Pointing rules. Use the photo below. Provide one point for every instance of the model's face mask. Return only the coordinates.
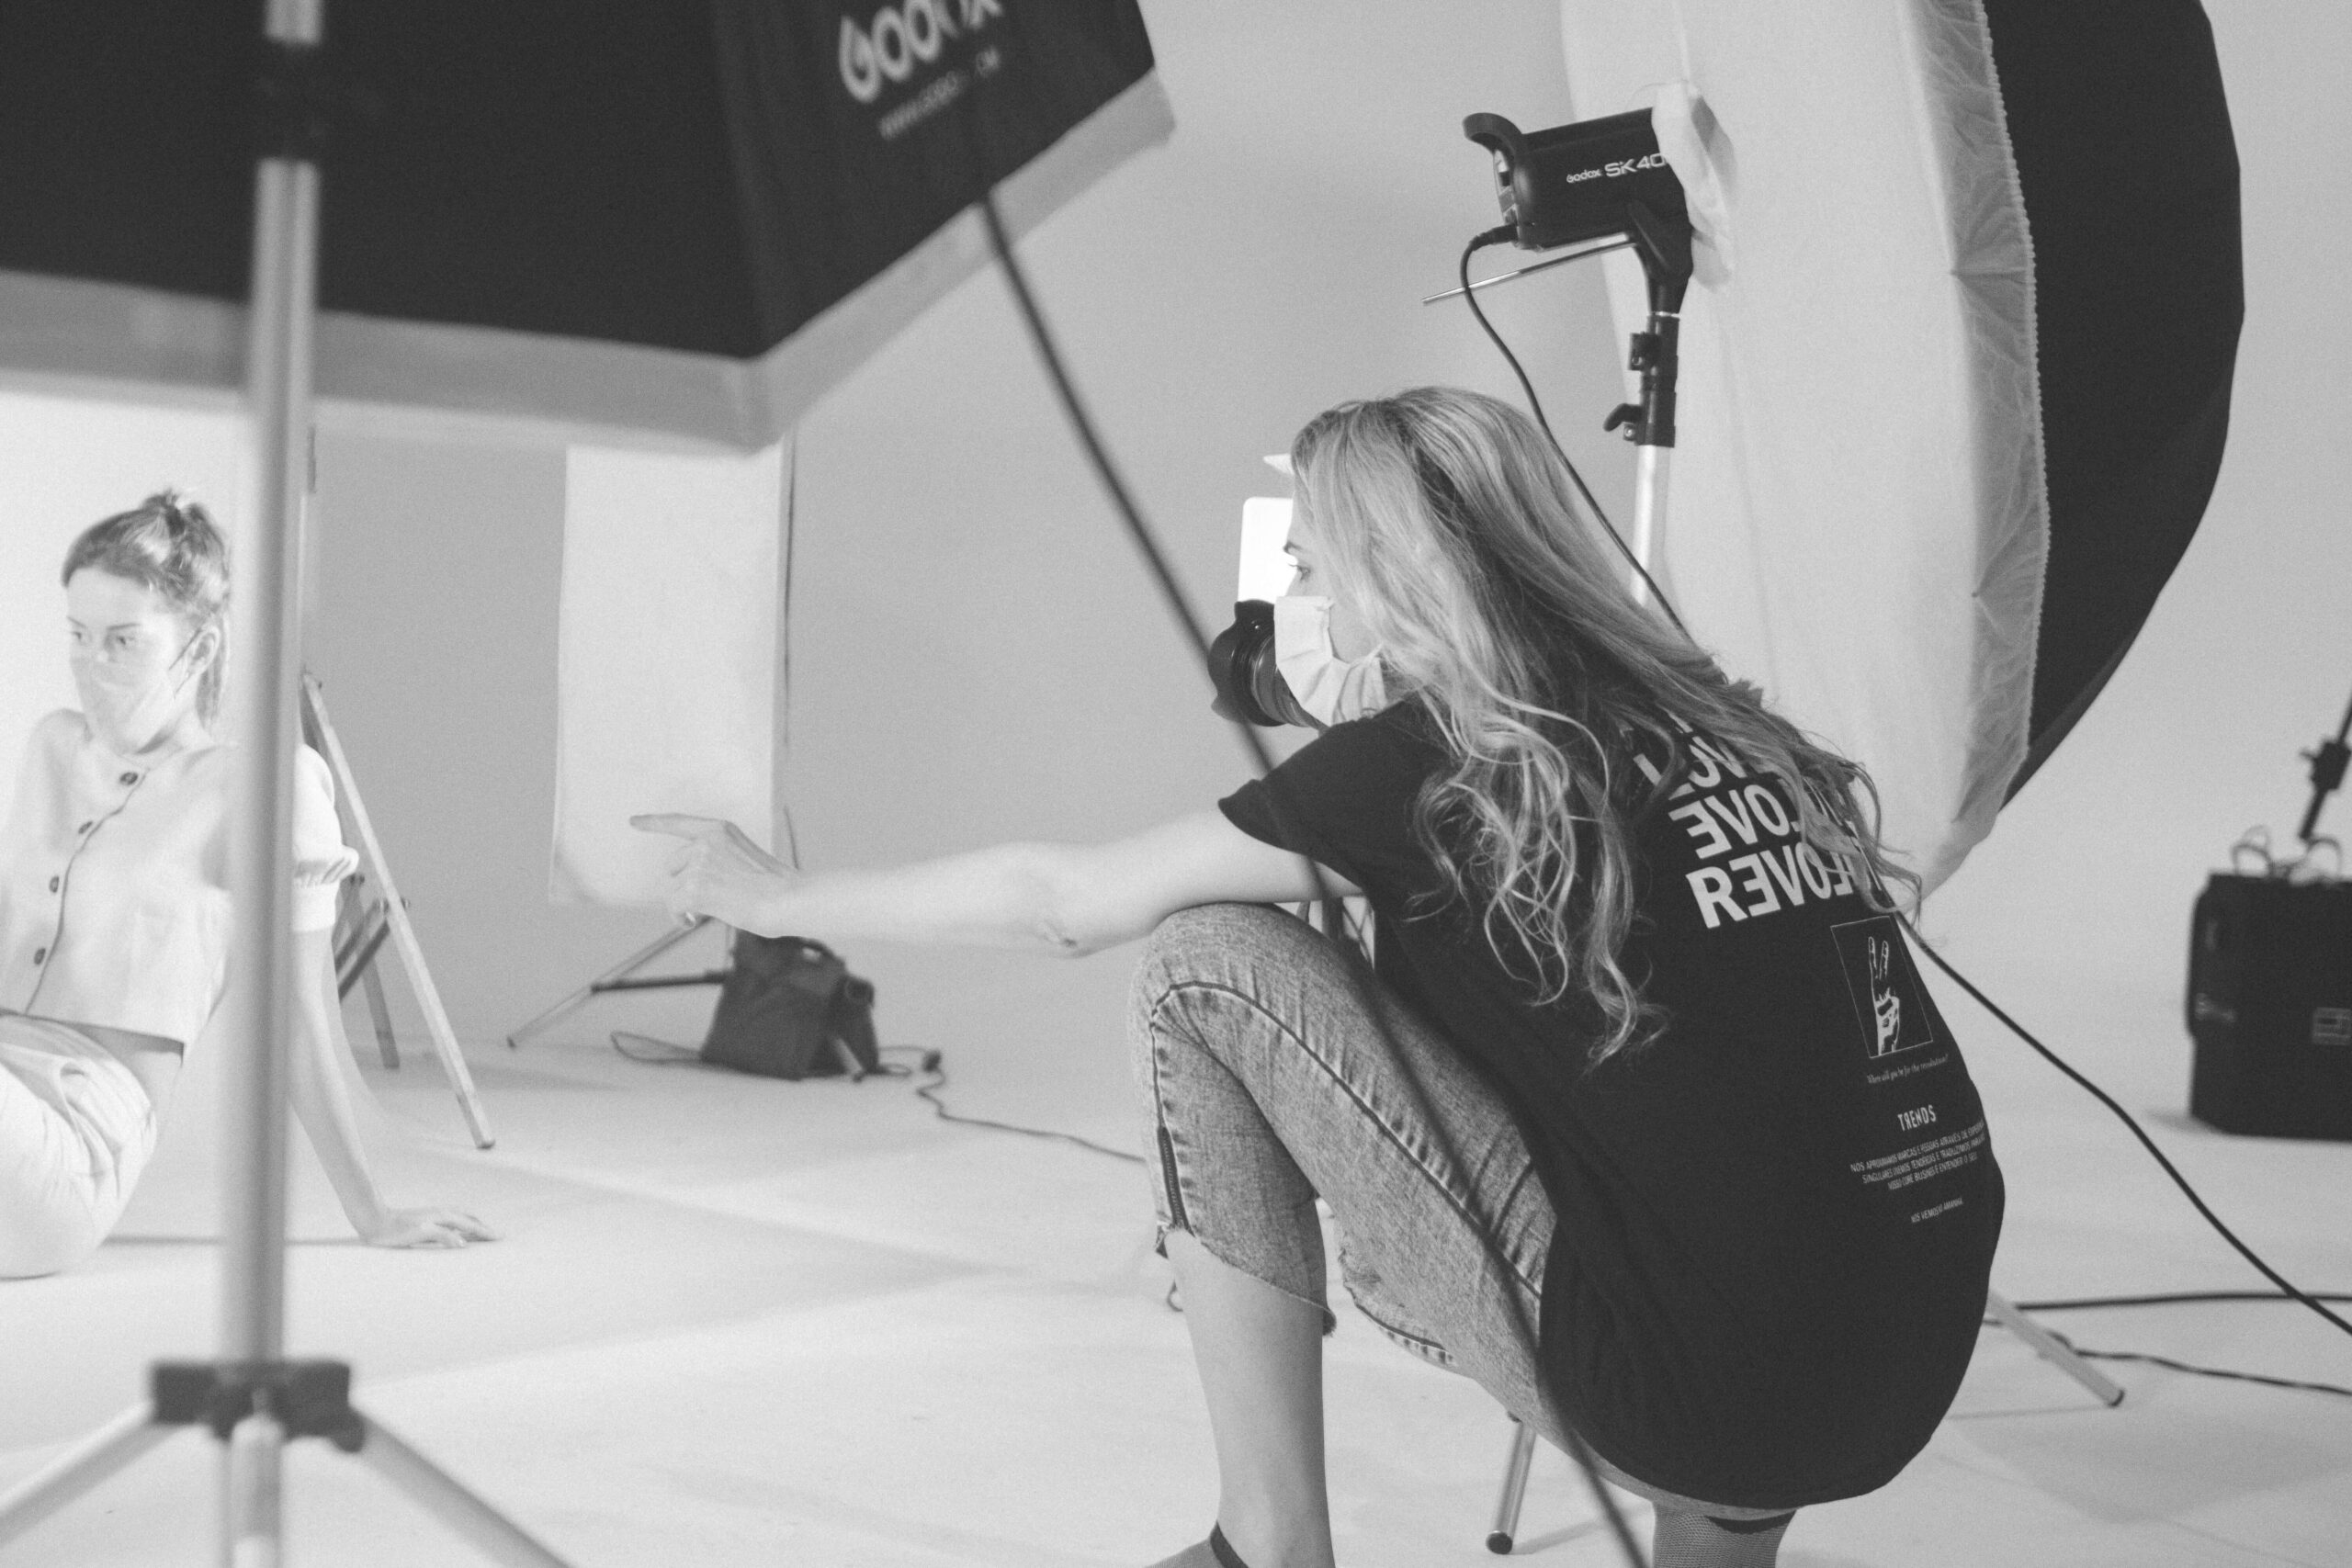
(131, 702)
(1333, 690)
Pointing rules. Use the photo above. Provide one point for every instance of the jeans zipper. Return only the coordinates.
(1168, 1176)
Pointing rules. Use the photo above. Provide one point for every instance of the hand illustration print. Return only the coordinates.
(1888, 1006)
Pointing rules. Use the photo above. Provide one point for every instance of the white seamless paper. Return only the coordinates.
(666, 659)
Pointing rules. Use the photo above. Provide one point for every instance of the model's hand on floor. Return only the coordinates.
(717, 871)
(426, 1227)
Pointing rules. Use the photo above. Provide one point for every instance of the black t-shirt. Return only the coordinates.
(1775, 1221)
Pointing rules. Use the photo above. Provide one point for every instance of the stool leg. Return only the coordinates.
(1514, 1492)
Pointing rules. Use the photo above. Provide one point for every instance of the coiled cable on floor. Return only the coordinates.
(932, 1064)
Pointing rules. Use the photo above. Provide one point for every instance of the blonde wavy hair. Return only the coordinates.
(1448, 521)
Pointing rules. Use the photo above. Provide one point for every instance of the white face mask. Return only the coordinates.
(1333, 689)
(130, 710)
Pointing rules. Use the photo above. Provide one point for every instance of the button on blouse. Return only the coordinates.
(139, 938)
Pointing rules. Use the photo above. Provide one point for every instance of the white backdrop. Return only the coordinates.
(665, 660)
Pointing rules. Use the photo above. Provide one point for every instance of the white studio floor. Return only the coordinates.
(735, 1322)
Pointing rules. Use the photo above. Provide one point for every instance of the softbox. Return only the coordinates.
(623, 220)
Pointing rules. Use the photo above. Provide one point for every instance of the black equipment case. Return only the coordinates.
(2270, 1007)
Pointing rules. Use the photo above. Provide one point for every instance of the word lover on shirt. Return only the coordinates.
(1753, 862)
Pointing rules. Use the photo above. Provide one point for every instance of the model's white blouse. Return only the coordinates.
(114, 880)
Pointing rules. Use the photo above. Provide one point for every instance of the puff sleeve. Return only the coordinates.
(322, 860)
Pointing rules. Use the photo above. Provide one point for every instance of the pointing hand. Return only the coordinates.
(717, 871)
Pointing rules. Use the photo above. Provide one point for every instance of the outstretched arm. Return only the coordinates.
(1065, 898)
(317, 1085)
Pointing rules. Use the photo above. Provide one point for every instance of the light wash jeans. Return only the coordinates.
(77, 1128)
(1268, 1081)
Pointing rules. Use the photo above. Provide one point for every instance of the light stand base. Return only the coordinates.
(1522, 1443)
(2104, 1388)
(254, 1409)
(616, 978)
(1514, 1492)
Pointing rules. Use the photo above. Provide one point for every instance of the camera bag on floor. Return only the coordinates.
(790, 1009)
(2270, 1007)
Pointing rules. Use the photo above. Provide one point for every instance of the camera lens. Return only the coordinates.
(1249, 686)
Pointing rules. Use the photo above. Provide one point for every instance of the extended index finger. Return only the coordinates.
(677, 824)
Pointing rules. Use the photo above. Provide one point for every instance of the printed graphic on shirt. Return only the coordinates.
(1924, 1162)
(1885, 988)
(1753, 861)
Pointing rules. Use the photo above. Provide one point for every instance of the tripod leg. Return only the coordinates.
(438, 1034)
(381, 1014)
(1514, 1492)
(79, 1468)
(2105, 1389)
(628, 965)
(441, 1494)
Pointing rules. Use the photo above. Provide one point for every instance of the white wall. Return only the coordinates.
(978, 653)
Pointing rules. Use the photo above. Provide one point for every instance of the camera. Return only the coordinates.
(1249, 686)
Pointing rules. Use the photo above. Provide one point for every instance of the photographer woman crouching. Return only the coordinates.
(114, 906)
(1645, 1122)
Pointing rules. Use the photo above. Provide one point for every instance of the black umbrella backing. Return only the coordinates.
(2129, 171)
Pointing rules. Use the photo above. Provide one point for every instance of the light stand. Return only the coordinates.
(2327, 774)
(1664, 245)
(252, 1399)
(624, 976)
(1606, 180)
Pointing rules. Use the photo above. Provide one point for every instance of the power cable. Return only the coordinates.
(2224, 1373)
(2252, 1256)
(1535, 406)
(2168, 1298)
(931, 1064)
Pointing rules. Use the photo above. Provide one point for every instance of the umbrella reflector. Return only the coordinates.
(1956, 363)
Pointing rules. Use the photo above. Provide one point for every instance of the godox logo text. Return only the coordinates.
(1617, 168)
(902, 37)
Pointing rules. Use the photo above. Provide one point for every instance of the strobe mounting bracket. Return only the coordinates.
(1593, 180)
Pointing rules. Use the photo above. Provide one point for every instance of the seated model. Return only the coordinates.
(114, 906)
